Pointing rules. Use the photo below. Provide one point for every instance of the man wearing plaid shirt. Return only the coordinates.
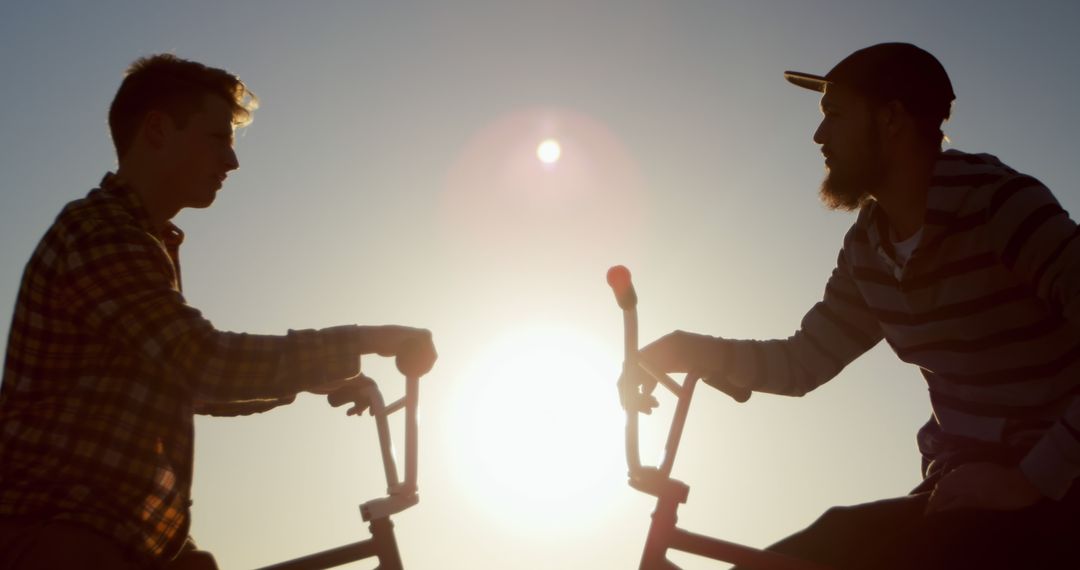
(106, 362)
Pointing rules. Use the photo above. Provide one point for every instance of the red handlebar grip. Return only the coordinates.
(618, 278)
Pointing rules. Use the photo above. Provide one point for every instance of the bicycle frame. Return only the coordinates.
(656, 481)
(400, 494)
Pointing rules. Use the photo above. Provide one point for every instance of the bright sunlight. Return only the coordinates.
(549, 151)
(540, 436)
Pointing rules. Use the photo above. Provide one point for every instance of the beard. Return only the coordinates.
(847, 185)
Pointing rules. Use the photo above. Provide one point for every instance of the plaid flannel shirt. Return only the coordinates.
(106, 366)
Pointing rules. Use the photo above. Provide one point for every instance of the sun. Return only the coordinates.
(540, 434)
(549, 151)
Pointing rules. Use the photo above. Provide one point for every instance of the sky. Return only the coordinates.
(391, 176)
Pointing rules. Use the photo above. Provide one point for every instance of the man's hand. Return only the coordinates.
(352, 390)
(416, 356)
(413, 348)
(389, 340)
(983, 486)
(635, 390)
(682, 351)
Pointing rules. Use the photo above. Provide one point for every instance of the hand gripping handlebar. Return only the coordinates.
(636, 374)
(663, 534)
(413, 360)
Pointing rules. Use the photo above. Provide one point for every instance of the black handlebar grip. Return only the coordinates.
(618, 277)
(415, 358)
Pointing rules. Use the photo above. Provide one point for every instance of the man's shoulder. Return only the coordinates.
(97, 212)
(969, 182)
(956, 168)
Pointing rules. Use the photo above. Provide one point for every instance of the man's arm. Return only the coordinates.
(119, 283)
(241, 407)
(1035, 238)
(832, 334)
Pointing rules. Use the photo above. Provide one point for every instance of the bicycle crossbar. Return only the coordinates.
(738, 554)
(397, 405)
(329, 558)
(381, 545)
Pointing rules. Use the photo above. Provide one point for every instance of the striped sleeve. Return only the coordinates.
(120, 283)
(836, 331)
(1035, 238)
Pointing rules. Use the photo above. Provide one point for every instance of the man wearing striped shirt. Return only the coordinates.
(106, 362)
(970, 271)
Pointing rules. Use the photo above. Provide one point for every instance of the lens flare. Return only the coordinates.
(549, 151)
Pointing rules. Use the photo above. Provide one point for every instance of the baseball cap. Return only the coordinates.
(890, 71)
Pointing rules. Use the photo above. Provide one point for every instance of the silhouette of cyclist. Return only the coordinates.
(107, 363)
(970, 271)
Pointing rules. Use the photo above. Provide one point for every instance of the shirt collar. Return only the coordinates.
(115, 185)
(944, 198)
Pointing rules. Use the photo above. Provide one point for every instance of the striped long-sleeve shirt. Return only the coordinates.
(106, 365)
(988, 308)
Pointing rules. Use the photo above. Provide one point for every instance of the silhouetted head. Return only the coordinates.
(881, 102)
(172, 124)
(175, 86)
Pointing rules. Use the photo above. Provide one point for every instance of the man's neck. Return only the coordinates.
(151, 193)
(903, 196)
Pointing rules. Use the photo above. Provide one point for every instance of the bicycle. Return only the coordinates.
(663, 533)
(400, 495)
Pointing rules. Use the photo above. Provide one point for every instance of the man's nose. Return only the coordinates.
(231, 162)
(819, 134)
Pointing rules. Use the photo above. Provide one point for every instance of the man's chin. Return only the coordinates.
(840, 194)
(205, 202)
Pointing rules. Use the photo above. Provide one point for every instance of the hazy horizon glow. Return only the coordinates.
(539, 439)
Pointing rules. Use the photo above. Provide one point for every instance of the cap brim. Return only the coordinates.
(807, 81)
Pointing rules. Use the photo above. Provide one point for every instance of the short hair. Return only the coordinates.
(174, 86)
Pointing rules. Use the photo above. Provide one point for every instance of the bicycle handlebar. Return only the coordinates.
(657, 481)
(618, 278)
(634, 401)
(413, 360)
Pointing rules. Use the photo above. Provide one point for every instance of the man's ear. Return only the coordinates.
(891, 117)
(156, 127)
